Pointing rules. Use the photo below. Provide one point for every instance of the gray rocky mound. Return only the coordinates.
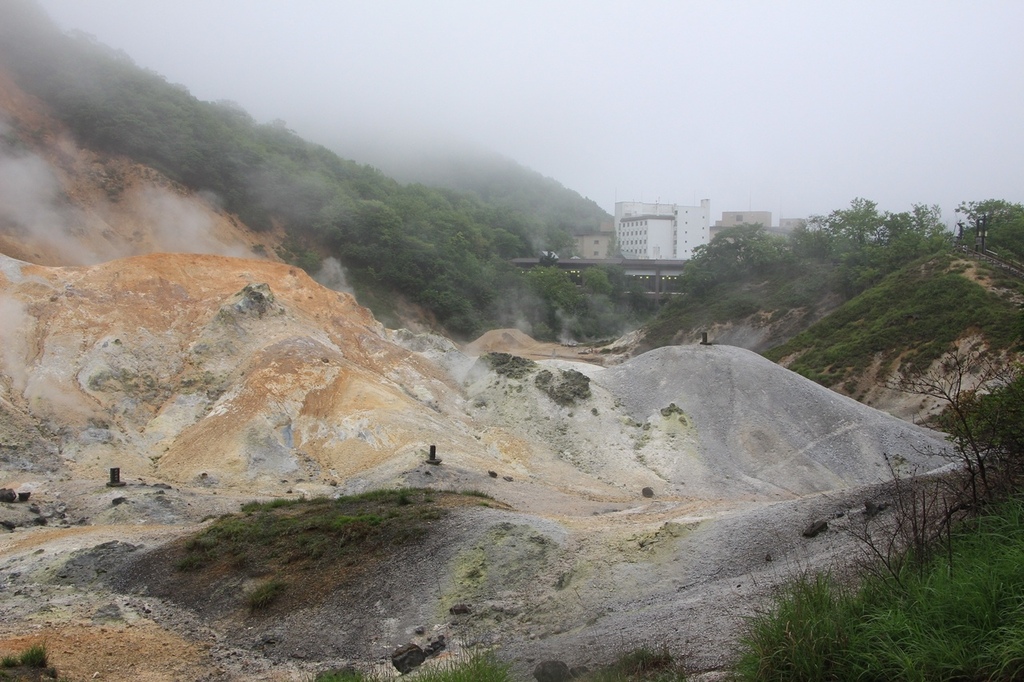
(722, 420)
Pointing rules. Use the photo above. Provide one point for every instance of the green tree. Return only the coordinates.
(1005, 226)
(562, 300)
(595, 281)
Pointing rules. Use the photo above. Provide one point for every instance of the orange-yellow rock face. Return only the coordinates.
(207, 368)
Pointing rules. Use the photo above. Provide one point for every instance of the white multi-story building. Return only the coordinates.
(661, 231)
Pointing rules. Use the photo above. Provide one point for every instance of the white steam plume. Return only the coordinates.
(332, 276)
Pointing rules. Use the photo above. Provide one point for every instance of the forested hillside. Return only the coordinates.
(857, 295)
(444, 251)
(488, 176)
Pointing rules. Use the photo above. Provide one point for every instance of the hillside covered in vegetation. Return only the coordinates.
(856, 291)
(444, 251)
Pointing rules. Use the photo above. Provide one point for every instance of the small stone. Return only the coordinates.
(492, 474)
(647, 492)
(815, 528)
(507, 478)
(459, 610)
(552, 671)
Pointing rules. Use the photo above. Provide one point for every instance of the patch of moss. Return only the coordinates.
(565, 389)
(511, 366)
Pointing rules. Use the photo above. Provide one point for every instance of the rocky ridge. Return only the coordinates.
(641, 498)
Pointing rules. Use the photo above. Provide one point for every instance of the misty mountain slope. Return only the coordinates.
(62, 204)
(441, 254)
(496, 180)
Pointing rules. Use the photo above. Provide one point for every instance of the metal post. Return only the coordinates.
(115, 478)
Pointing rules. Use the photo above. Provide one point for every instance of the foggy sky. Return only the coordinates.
(789, 107)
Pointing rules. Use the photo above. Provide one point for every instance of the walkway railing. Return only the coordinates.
(1011, 267)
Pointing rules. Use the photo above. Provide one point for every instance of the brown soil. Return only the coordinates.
(142, 652)
(519, 343)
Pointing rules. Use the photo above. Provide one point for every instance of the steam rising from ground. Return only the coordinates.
(82, 227)
(31, 206)
(182, 225)
(332, 276)
(13, 323)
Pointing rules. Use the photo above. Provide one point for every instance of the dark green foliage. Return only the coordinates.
(475, 667)
(34, 656)
(344, 676)
(736, 253)
(745, 270)
(648, 665)
(986, 425)
(913, 315)
(1005, 231)
(866, 244)
(576, 305)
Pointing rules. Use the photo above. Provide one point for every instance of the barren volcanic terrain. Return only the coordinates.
(653, 502)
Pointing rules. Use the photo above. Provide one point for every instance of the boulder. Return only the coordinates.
(552, 671)
(407, 657)
(8, 495)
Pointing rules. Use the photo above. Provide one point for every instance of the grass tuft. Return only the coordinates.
(265, 594)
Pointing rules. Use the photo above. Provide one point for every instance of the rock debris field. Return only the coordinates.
(653, 502)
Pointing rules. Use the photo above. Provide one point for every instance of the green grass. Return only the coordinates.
(265, 594)
(354, 676)
(291, 530)
(474, 668)
(640, 665)
(323, 539)
(649, 665)
(959, 619)
(34, 656)
(911, 317)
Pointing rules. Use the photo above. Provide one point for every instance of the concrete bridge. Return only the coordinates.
(653, 274)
